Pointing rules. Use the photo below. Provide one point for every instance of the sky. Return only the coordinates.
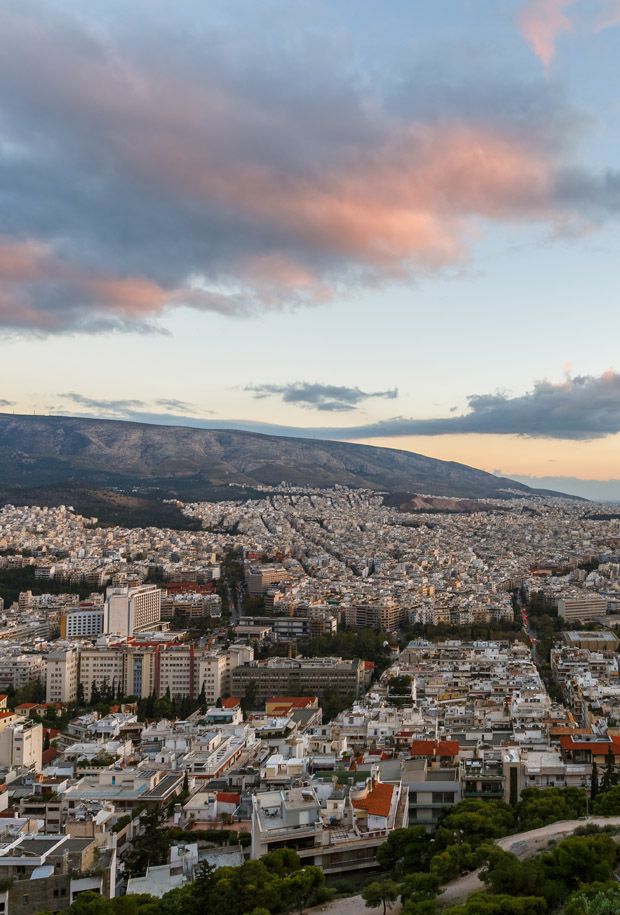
(391, 223)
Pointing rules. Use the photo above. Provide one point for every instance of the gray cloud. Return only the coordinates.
(579, 408)
(92, 403)
(158, 157)
(326, 397)
(583, 407)
(176, 412)
(180, 405)
(7, 403)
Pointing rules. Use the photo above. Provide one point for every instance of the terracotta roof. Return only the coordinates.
(229, 798)
(48, 755)
(231, 703)
(435, 748)
(378, 801)
(598, 747)
(562, 729)
(25, 705)
(368, 665)
(292, 701)
(7, 715)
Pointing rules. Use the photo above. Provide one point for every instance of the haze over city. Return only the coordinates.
(393, 224)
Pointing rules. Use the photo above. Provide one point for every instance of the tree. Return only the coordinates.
(383, 893)
(250, 698)
(405, 851)
(95, 695)
(608, 803)
(604, 902)
(80, 698)
(151, 847)
(609, 776)
(46, 741)
(298, 886)
(594, 781)
(185, 783)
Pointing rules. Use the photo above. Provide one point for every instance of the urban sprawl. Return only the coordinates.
(310, 670)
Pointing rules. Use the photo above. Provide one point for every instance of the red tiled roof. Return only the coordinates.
(26, 705)
(378, 801)
(292, 701)
(435, 748)
(231, 703)
(368, 665)
(48, 755)
(229, 798)
(598, 747)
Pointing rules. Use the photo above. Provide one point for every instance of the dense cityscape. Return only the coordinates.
(311, 670)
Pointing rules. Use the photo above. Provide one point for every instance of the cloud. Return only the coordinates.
(327, 397)
(114, 406)
(7, 403)
(582, 407)
(176, 412)
(579, 408)
(609, 15)
(541, 21)
(239, 164)
(181, 405)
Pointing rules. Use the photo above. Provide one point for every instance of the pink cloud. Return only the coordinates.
(278, 206)
(541, 21)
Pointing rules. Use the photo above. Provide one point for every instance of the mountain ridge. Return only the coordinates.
(121, 454)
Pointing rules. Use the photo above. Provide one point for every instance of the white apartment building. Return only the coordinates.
(181, 670)
(62, 675)
(21, 745)
(19, 669)
(82, 623)
(130, 609)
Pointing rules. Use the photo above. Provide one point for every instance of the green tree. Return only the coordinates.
(594, 787)
(380, 893)
(405, 851)
(80, 698)
(250, 699)
(608, 803)
(540, 807)
(151, 847)
(609, 775)
(603, 902)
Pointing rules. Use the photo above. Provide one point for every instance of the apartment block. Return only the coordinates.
(129, 609)
(62, 675)
(291, 676)
(588, 607)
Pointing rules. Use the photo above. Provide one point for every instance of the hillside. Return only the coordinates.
(158, 461)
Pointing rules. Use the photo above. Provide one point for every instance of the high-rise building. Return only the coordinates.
(128, 609)
(62, 675)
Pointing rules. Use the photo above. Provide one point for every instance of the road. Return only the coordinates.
(523, 844)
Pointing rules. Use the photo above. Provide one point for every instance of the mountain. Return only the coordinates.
(160, 461)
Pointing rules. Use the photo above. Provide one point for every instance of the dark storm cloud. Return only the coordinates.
(155, 156)
(326, 397)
